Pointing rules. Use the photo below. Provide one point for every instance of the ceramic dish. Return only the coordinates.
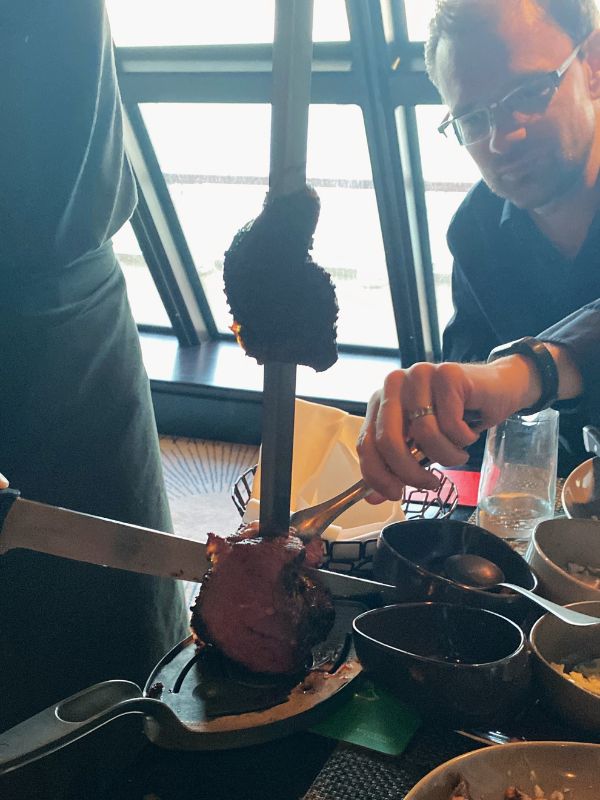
(561, 766)
(460, 665)
(579, 491)
(552, 641)
(560, 546)
(411, 556)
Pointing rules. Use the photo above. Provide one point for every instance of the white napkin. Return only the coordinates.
(325, 463)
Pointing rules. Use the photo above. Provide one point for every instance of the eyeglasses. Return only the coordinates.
(526, 101)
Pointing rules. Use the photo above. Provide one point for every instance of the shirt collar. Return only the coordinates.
(508, 213)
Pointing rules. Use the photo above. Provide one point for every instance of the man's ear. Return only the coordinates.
(591, 51)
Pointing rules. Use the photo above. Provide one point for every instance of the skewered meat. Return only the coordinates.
(258, 604)
(283, 304)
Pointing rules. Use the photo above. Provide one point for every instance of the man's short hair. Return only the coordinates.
(577, 18)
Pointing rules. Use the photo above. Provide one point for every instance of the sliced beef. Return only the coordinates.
(258, 604)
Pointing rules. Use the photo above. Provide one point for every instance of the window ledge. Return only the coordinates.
(220, 377)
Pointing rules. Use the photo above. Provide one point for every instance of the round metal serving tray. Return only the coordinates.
(223, 705)
(198, 700)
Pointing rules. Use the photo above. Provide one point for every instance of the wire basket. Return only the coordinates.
(356, 557)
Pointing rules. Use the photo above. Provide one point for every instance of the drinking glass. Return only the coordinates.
(518, 475)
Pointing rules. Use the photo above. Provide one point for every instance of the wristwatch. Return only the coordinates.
(543, 362)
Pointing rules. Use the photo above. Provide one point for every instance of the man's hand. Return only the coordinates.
(427, 403)
(3, 482)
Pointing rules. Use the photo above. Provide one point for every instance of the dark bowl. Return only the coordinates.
(460, 665)
(411, 556)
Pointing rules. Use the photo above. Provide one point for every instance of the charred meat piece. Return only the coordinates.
(283, 304)
(258, 605)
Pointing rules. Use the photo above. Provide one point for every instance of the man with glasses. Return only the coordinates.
(521, 81)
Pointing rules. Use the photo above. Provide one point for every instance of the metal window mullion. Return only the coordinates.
(418, 185)
(154, 256)
(394, 12)
(173, 269)
(227, 87)
(223, 58)
(370, 55)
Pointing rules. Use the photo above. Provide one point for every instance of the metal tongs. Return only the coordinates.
(311, 522)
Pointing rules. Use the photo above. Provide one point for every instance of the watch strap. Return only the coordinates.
(543, 362)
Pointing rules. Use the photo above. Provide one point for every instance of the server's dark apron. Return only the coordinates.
(77, 430)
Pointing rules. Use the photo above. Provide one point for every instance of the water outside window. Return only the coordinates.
(448, 172)
(418, 14)
(215, 159)
(146, 305)
(194, 22)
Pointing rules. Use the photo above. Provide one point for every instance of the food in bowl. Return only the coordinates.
(560, 552)
(572, 768)
(462, 792)
(586, 674)
(554, 642)
(587, 574)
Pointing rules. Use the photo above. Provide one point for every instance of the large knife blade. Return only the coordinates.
(349, 587)
(96, 540)
(108, 543)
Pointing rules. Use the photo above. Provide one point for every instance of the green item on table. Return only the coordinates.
(372, 718)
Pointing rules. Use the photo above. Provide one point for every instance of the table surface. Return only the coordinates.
(303, 765)
(118, 763)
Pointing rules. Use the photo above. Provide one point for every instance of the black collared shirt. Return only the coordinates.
(509, 281)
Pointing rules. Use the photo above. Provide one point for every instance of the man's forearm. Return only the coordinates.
(521, 378)
(570, 382)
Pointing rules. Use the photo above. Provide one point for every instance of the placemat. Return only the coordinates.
(352, 773)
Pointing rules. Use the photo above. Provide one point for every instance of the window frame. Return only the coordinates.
(380, 71)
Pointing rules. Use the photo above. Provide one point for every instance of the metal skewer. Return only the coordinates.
(292, 63)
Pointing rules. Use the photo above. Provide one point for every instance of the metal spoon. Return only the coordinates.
(473, 570)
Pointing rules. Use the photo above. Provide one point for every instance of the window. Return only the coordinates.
(137, 23)
(146, 305)
(418, 14)
(200, 119)
(215, 160)
(448, 174)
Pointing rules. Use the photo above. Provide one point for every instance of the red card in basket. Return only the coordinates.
(467, 485)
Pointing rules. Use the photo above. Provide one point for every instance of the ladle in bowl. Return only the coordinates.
(473, 570)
